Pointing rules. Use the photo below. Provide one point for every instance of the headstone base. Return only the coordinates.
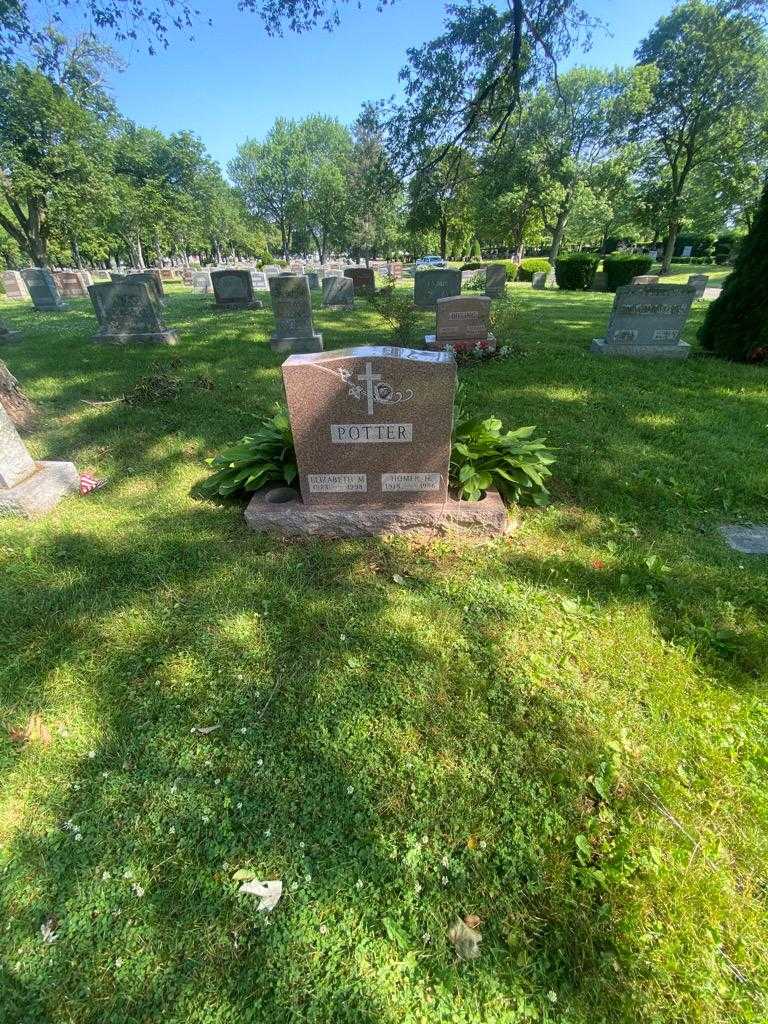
(9, 337)
(42, 491)
(681, 350)
(293, 518)
(52, 307)
(256, 304)
(460, 345)
(312, 343)
(158, 338)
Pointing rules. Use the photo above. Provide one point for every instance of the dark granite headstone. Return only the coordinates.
(431, 285)
(234, 289)
(363, 278)
(495, 280)
(42, 290)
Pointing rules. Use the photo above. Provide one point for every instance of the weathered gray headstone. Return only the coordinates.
(271, 270)
(646, 322)
(338, 291)
(313, 279)
(543, 279)
(201, 282)
(699, 282)
(363, 278)
(495, 280)
(129, 312)
(292, 308)
(431, 285)
(687, 251)
(14, 285)
(153, 279)
(70, 283)
(29, 488)
(234, 289)
(7, 335)
(395, 270)
(462, 324)
(599, 282)
(259, 279)
(42, 290)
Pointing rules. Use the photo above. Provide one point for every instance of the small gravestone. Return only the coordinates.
(70, 283)
(233, 289)
(687, 251)
(271, 270)
(129, 312)
(7, 335)
(543, 279)
(431, 285)
(29, 488)
(495, 280)
(333, 272)
(42, 290)
(259, 279)
(599, 282)
(395, 270)
(363, 278)
(292, 307)
(699, 283)
(372, 432)
(748, 540)
(313, 279)
(645, 279)
(462, 324)
(14, 285)
(201, 282)
(646, 322)
(338, 291)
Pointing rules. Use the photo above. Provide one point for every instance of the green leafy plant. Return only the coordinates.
(397, 308)
(265, 456)
(531, 266)
(515, 463)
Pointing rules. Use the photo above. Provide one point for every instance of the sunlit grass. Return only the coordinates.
(389, 714)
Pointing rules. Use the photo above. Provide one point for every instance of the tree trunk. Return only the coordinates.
(38, 247)
(76, 253)
(669, 248)
(443, 237)
(21, 411)
(557, 234)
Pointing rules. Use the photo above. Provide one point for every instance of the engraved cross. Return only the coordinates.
(369, 378)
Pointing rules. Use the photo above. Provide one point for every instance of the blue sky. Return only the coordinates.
(233, 80)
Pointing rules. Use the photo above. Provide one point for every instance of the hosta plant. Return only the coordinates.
(265, 456)
(515, 463)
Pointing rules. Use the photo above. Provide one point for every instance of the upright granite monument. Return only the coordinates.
(363, 278)
(372, 431)
(233, 289)
(129, 313)
(699, 283)
(495, 280)
(29, 488)
(338, 292)
(292, 307)
(72, 284)
(14, 285)
(201, 282)
(431, 285)
(462, 324)
(646, 322)
(42, 289)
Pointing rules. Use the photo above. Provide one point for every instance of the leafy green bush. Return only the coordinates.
(263, 457)
(515, 463)
(475, 253)
(576, 271)
(621, 268)
(504, 321)
(535, 265)
(736, 324)
(396, 307)
(510, 268)
(473, 266)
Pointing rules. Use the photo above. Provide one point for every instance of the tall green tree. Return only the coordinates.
(376, 193)
(709, 96)
(270, 175)
(440, 196)
(325, 194)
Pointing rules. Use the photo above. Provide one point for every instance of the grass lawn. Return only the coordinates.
(563, 732)
(680, 272)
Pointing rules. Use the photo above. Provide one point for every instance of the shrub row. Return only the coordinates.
(575, 272)
(622, 267)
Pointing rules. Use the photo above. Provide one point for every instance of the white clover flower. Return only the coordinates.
(172, 830)
(444, 879)
(216, 782)
(426, 938)
(138, 889)
(425, 840)
(206, 819)
(301, 846)
(417, 888)
(243, 730)
(446, 861)
(483, 844)
(105, 876)
(350, 790)
(359, 883)
(342, 637)
(323, 929)
(91, 754)
(260, 762)
(119, 962)
(78, 837)
(307, 879)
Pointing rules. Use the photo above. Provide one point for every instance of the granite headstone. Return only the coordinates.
(431, 285)
(292, 308)
(363, 278)
(14, 285)
(646, 322)
(338, 291)
(42, 289)
(29, 488)
(233, 289)
(129, 312)
(495, 280)
(462, 324)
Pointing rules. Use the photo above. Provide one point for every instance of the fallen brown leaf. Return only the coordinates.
(472, 921)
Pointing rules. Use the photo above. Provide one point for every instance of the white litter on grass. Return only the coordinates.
(204, 730)
(269, 893)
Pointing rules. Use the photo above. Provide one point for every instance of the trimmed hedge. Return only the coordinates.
(621, 268)
(736, 324)
(527, 268)
(576, 271)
